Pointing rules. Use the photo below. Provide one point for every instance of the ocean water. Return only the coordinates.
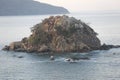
(102, 65)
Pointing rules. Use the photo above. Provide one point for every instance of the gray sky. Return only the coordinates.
(86, 5)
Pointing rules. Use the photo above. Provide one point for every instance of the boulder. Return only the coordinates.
(15, 45)
(6, 48)
(43, 48)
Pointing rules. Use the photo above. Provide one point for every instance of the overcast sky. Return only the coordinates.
(86, 5)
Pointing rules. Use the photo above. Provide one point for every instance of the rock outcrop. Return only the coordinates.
(58, 34)
(107, 47)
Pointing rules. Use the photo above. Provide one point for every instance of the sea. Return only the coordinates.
(101, 65)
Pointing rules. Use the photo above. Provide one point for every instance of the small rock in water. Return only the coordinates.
(114, 53)
(76, 59)
(52, 58)
(14, 55)
(20, 56)
(6, 48)
(85, 58)
(70, 60)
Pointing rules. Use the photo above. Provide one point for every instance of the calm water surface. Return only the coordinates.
(103, 65)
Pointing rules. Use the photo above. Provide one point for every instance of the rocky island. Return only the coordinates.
(59, 34)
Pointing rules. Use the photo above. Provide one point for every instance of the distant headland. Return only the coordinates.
(28, 7)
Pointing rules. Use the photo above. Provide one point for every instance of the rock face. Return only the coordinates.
(59, 34)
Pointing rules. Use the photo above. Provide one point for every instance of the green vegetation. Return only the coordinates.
(39, 36)
(66, 32)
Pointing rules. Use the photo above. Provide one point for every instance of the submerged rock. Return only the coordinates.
(73, 59)
(59, 34)
(70, 60)
(20, 56)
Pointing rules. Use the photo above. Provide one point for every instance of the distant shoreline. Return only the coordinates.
(28, 7)
(35, 15)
